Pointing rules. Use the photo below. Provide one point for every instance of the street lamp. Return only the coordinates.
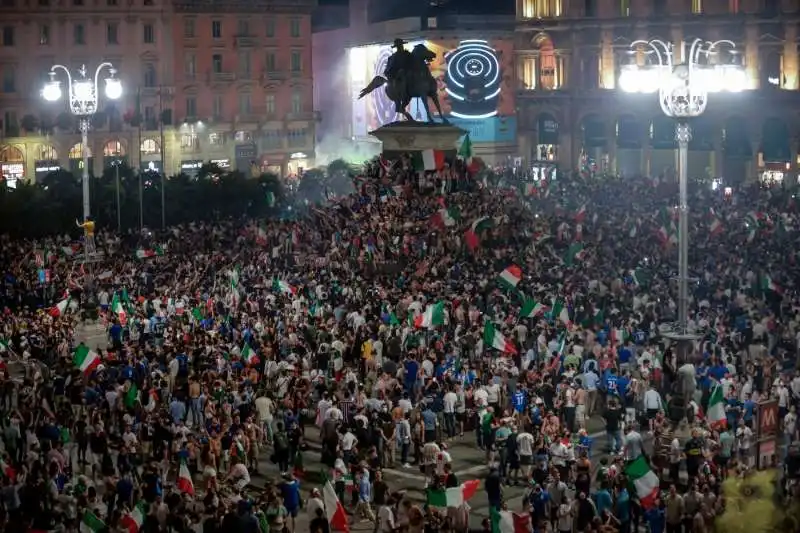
(83, 100)
(683, 84)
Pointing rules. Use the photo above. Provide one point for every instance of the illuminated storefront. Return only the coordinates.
(191, 167)
(150, 155)
(46, 161)
(76, 159)
(12, 166)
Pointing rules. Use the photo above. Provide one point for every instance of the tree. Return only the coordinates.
(29, 123)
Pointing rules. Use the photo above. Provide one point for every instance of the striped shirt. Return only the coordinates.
(348, 408)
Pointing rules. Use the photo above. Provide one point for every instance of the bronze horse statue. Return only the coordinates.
(414, 81)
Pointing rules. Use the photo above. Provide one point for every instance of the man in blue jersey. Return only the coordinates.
(519, 400)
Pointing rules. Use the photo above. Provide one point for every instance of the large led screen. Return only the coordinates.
(474, 80)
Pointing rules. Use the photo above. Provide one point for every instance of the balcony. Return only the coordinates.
(275, 75)
(244, 76)
(254, 117)
(245, 41)
(306, 116)
(222, 76)
(297, 73)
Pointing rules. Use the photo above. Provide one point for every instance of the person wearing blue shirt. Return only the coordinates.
(290, 491)
(625, 353)
(622, 510)
(656, 518)
(602, 499)
(520, 400)
(611, 382)
(749, 407)
(602, 337)
(411, 367)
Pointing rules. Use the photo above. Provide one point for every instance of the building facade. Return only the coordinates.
(572, 114)
(182, 99)
(243, 73)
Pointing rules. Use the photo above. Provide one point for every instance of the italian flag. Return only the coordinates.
(495, 339)
(472, 235)
(119, 309)
(445, 218)
(261, 237)
(90, 523)
(60, 308)
(580, 214)
(85, 359)
(144, 253)
(618, 336)
(455, 496)
(432, 317)
(249, 355)
(283, 287)
(531, 308)
(508, 522)
(767, 284)
(510, 277)
(184, 482)
(716, 227)
(334, 511)
(237, 449)
(715, 415)
(428, 160)
(644, 481)
(133, 520)
(560, 312)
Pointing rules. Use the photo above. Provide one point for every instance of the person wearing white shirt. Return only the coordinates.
(480, 397)
(493, 396)
(789, 427)
(386, 520)
(652, 404)
(744, 438)
(449, 401)
(525, 449)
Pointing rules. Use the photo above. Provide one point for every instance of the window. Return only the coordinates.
(9, 79)
(190, 66)
(8, 35)
(244, 104)
(188, 28)
(216, 139)
(297, 137)
(296, 61)
(111, 33)
(697, 7)
(149, 117)
(733, 6)
(541, 8)
(244, 65)
(269, 27)
(272, 140)
(191, 107)
(216, 29)
(270, 104)
(297, 102)
(79, 34)
(624, 8)
(148, 34)
(189, 141)
(272, 62)
(294, 28)
(243, 27)
(242, 136)
(44, 34)
(218, 108)
(149, 147)
(150, 78)
(216, 63)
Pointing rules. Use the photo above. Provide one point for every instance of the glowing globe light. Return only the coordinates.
(52, 91)
(83, 89)
(629, 79)
(113, 88)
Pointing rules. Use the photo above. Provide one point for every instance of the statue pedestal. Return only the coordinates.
(406, 137)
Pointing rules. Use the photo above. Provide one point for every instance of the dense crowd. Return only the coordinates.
(421, 311)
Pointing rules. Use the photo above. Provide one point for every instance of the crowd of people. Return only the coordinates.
(387, 325)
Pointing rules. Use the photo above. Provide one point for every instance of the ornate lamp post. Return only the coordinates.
(683, 82)
(83, 102)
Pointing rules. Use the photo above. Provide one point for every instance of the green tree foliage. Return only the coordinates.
(51, 205)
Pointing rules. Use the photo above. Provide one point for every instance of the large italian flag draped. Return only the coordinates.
(531, 308)
(283, 287)
(428, 160)
(85, 359)
(119, 309)
(133, 521)
(432, 317)
(90, 523)
(716, 409)
(144, 253)
(334, 510)
(495, 339)
(510, 277)
(445, 218)
(644, 481)
(455, 496)
(185, 483)
(508, 522)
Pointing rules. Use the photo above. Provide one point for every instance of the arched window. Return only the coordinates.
(76, 152)
(11, 154)
(548, 64)
(113, 149)
(594, 134)
(150, 78)
(771, 69)
(149, 147)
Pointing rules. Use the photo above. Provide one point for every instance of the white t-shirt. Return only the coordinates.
(449, 400)
(481, 397)
(525, 443)
(348, 441)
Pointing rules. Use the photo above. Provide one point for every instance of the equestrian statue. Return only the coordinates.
(408, 76)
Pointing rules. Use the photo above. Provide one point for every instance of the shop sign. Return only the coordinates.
(151, 166)
(767, 419)
(13, 171)
(221, 163)
(246, 151)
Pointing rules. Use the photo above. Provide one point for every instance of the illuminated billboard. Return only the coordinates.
(474, 86)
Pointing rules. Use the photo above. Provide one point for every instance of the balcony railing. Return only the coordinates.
(222, 76)
(276, 75)
(246, 41)
(304, 115)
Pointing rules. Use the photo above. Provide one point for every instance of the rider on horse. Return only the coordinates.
(398, 65)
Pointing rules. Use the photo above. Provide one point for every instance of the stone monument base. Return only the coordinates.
(408, 137)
